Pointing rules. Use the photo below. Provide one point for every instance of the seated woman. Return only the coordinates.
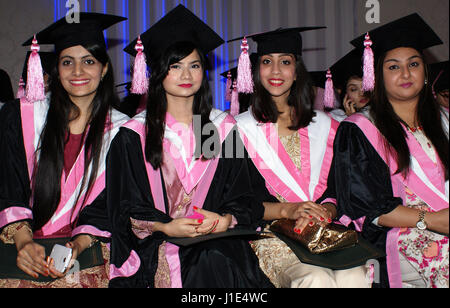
(166, 177)
(390, 175)
(290, 146)
(53, 153)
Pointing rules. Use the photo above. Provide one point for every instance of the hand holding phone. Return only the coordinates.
(61, 256)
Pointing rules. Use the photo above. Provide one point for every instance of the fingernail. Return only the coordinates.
(310, 217)
(322, 219)
(195, 208)
(329, 220)
(311, 224)
(200, 221)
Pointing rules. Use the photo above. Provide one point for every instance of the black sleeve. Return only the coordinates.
(95, 214)
(231, 189)
(128, 195)
(14, 180)
(361, 178)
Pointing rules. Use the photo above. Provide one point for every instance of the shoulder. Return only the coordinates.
(137, 123)
(219, 117)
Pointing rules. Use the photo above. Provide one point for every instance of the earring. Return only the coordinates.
(426, 81)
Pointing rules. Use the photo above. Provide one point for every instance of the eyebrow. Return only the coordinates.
(410, 58)
(70, 57)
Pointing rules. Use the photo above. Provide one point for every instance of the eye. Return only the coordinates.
(89, 61)
(415, 64)
(66, 62)
(196, 66)
(175, 66)
(266, 61)
(393, 67)
(286, 62)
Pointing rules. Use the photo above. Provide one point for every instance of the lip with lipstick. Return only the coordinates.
(276, 82)
(363, 101)
(79, 83)
(186, 85)
(406, 85)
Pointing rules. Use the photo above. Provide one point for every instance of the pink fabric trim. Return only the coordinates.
(329, 200)
(128, 269)
(173, 259)
(392, 259)
(87, 229)
(13, 214)
(28, 131)
(398, 182)
(345, 220)
(198, 199)
(435, 173)
(326, 163)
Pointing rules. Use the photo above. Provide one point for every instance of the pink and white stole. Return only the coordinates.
(33, 121)
(196, 174)
(425, 179)
(274, 164)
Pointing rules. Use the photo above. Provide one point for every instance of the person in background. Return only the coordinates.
(6, 91)
(440, 82)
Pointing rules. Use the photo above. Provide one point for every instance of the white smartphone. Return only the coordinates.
(61, 256)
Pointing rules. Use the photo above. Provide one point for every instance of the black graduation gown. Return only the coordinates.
(360, 181)
(220, 263)
(15, 185)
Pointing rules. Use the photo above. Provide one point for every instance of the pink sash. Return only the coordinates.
(33, 121)
(137, 124)
(425, 179)
(274, 164)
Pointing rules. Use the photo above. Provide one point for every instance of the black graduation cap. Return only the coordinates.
(438, 74)
(409, 31)
(281, 40)
(318, 78)
(348, 66)
(48, 60)
(89, 30)
(179, 25)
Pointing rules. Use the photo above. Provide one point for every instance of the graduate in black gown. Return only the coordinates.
(165, 180)
(53, 152)
(390, 167)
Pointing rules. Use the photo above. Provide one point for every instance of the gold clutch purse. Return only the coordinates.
(318, 239)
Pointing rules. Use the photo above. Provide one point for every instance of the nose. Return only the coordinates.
(77, 69)
(186, 74)
(275, 68)
(406, 73)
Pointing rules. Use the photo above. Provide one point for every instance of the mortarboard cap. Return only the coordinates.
(409, 31)
(288, 40)
(89, 30)
(346, 67)
(179, 25)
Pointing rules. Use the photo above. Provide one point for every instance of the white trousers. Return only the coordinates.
(302, 275)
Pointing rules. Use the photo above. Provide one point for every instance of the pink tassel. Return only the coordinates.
(21, 91)
(228, 88)
(234, 108)
(368, 69)
(140, 78)
(244, 78)
(35, 90)
(328, 98)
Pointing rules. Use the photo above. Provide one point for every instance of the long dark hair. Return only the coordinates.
(157, 102)
(301, 98)
(392, 127)
(49, 167)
